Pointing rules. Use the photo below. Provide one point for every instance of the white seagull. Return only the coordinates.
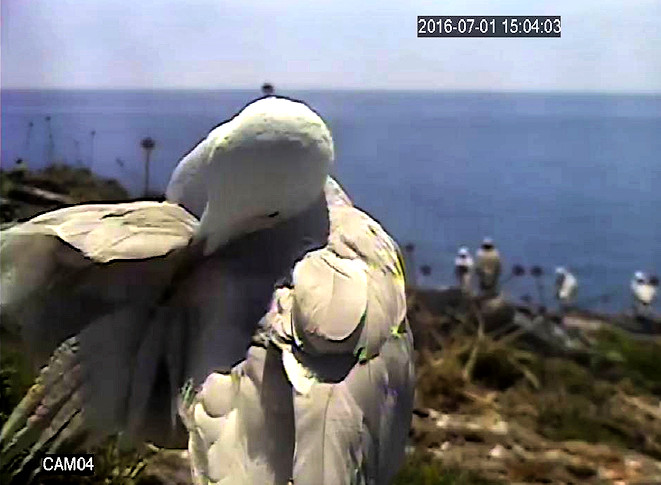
(643, 291)
(566, 286)
(139, 298)
(463, 268)
(487, 267)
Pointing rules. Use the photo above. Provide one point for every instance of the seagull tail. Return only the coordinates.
(47, 420)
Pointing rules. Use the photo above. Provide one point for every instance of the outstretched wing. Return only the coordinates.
(186, 316)
(64, 269)
(84, 280)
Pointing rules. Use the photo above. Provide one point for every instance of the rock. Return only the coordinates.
(497, 313)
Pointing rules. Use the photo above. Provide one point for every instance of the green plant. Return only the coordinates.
(629, 358)
(422, 469)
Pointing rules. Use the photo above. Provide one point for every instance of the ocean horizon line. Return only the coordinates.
(450, 92)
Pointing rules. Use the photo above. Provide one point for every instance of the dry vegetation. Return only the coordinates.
(25, 193)
(496, 406)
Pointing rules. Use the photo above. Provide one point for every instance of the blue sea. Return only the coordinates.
(555, 179)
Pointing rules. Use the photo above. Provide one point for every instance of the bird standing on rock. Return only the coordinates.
(566, 287)
(487, 268)
(463, 268)
(140, 299)
(644, 293)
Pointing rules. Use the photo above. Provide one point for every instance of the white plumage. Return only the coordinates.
(643, 291)
(488, 267)
(463, 268)
(566, 286)
(333, 363)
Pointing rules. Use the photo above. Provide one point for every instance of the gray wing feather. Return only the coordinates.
(149, 358)
(330, 302)
(351, 427)
(329, 435)
(51, 289)
(107, 232)
(61, 278)
(49, 411)
(355, 431)
(109, 355)
(354, 235)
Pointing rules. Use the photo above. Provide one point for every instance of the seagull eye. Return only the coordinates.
(273, 214)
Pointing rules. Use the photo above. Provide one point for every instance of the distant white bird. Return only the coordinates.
(138, 298)
(566, 286)
(463, 268)
(643, 291)
(487, 267)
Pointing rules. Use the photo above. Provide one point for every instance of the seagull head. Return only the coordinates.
(463, 252)
(267, 164)
(560, 270)
(639, 277)
(487, 243)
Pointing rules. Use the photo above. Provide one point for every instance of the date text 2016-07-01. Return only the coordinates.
(488, 26)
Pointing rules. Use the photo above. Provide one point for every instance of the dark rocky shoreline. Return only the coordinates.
(25, 193)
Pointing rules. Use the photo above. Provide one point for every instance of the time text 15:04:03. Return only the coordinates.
(488, 26)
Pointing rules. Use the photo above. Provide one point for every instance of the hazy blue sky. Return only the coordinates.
(606, 45)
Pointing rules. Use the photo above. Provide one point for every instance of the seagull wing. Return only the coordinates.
(350, 360)
(159, 321)
(63, 269)
(83, 281)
